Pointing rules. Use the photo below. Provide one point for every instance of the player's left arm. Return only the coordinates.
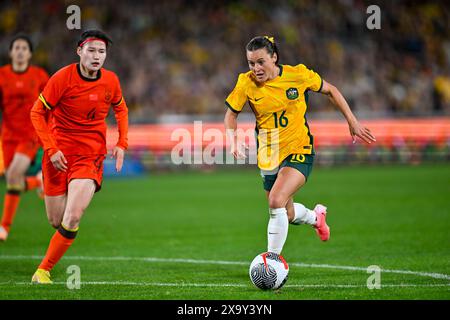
(121, 114)
(356, 129)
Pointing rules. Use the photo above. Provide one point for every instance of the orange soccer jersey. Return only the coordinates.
(18, 92)
(79, 107)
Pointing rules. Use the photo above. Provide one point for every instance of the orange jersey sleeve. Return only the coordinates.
(39, 117)
(51, 93)
(121, 114)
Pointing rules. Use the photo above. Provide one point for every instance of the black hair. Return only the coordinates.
(264, 42)
(94, 34)
(21, 36)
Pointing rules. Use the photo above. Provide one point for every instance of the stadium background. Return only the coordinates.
(178, 60)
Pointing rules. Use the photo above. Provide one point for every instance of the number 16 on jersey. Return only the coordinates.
(282, 120)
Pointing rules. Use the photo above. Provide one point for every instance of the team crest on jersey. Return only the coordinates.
(108, 95)
(292, 93)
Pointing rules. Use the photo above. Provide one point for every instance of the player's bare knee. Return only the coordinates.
(277, 200)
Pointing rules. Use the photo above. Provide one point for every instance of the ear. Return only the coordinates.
(274, 57)
(79, 51)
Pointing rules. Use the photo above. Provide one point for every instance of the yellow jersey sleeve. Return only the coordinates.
(312, 79)
(238, 97)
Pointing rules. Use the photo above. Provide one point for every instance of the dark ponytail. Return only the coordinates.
(264, 42)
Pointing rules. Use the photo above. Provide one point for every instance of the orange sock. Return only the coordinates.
(12, 199)
(32, 183)
(60, 242)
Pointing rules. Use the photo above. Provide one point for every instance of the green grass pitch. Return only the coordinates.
(192, 235)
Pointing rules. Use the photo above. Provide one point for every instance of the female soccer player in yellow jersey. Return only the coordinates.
(277, 95)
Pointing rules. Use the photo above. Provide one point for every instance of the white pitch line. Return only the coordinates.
(329, 266)
(142, 284)
(235, 285)
(222, 262)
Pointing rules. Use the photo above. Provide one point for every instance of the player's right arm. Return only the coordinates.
(235, 103)
(46, 102)
(121, 114)
(39, 119)
(237, 149)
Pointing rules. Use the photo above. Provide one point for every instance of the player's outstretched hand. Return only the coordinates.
(59, 161)
(238, 150)
(118, 154)
(358, 130)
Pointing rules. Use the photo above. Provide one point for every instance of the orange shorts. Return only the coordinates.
(26, 147)
(78, 167)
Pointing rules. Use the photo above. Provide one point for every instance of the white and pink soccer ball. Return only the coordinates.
(269, 271)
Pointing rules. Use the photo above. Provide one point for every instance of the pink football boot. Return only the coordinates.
(322, 229)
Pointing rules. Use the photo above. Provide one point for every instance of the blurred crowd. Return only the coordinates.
(183, 57)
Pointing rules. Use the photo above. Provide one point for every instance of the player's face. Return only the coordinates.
(20, 52)
(261, 64)
(92, 55)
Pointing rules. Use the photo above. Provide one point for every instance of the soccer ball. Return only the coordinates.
(269, 271)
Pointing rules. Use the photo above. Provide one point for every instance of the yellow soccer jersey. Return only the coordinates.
(279, 106)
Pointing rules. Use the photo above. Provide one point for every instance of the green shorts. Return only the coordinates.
(301, 162)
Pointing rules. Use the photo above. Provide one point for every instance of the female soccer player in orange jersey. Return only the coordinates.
(20, 84)
(78, 97)
(277, 95)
